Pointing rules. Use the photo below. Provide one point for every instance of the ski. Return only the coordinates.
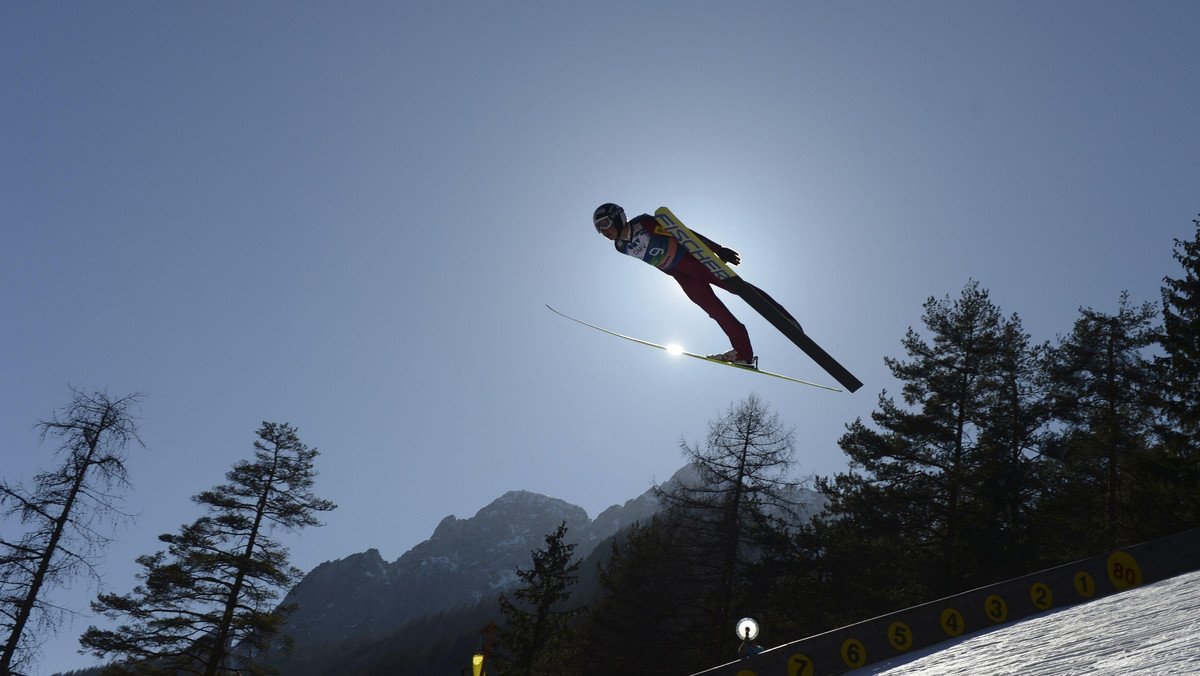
(786, 326)
(692, 354)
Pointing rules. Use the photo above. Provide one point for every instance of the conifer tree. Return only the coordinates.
(206, 604)
(1008, 477)
(640, 620)
(913, 490)
(536, 626)
(1181, 370)
(1105, 397)
(62, 514)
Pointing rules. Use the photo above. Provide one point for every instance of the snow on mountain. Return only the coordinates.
(1149, 631)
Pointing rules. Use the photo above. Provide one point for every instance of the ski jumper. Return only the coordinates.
(652, 243)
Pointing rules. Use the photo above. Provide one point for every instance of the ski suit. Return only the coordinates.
(651, 242)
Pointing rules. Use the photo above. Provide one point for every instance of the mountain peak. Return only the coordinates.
(526, 503)
(463, 562)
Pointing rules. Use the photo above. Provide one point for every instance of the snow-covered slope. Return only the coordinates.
(1149, 631)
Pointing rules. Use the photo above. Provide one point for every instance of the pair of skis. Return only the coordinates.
(753, 298)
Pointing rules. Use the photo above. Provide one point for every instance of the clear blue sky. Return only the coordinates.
(349, 217)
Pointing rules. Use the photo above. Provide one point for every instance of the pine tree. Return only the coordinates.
(1181, 379)
(1104, 396)
(206, 604)
(1008, 477)
(62, 514)
(536, 627)
(914, 488)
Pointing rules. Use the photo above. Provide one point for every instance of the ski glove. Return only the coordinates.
(728, 255)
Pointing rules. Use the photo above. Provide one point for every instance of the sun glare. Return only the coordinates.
(675, 348)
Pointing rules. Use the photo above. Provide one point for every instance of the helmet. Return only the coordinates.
(608, 215)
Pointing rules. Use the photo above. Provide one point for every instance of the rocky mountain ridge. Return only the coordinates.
(463, 562)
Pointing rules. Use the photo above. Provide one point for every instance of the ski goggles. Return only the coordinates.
(603, 223)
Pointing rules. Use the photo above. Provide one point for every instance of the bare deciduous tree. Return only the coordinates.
(741, 493)
(62, 515)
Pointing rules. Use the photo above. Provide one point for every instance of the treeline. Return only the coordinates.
(441, 643)
(999, 456)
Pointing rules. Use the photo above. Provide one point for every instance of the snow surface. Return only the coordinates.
(1149, 631)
